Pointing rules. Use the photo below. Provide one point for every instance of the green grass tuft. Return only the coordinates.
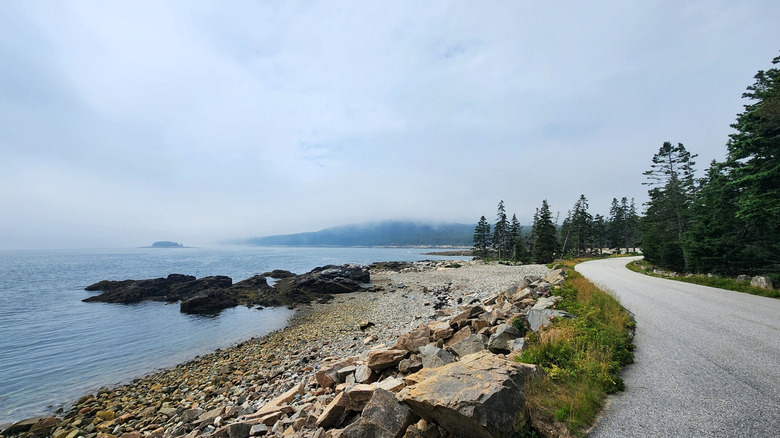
(581, 357)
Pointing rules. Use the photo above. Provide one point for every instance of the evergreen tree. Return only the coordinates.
(713, 239)
(631, 233)
(481, 238)
(617, 220)
(753, 162)
(577, 228)
(501, 237)
(667, 215)
(600, 235)
(544, 235)
(517, 245)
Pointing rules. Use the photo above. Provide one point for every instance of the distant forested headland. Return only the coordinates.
(391, 233)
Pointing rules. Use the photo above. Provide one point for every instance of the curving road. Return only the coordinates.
(707, 359)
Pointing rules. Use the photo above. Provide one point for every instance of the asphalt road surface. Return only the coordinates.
(707, 359)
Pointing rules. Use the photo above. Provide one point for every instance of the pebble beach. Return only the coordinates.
(243, 378)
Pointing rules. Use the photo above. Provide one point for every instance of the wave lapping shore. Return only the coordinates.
(294, 382)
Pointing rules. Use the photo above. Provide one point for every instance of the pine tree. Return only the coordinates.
(481, 238)
(667, 216)
(544, 235)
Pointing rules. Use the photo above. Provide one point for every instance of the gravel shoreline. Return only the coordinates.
(246, 376)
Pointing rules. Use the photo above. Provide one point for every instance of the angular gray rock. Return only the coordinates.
(472, 344)
(383, 417)
(499, 341)
(488, 407)
(434, 357)
(540, 315)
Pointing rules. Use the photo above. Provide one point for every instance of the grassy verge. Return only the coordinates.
(643, 267)
(581, 357)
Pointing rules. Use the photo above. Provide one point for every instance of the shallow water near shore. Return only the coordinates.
(54, 348)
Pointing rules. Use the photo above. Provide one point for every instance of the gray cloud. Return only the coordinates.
(124, 123)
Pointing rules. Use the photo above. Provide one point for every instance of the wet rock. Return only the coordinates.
(278, 273)
(23, 425)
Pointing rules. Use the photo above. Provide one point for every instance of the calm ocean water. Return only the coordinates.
(54, 348)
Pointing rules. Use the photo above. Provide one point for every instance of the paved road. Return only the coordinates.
(707, 360)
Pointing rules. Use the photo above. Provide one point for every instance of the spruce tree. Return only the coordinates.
(544, 235)
(577, 228)
(714, 240)
(481, 238)
(754, 170)
(517, 246)
(501, 239)
(600, 236)
(667, 216)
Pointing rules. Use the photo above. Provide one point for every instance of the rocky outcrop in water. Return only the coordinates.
(212, 294)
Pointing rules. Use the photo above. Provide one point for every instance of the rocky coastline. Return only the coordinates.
(366, 363)
(215, 293)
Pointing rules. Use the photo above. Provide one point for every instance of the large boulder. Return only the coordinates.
(383, 417)
(492, 405)
(761, 281)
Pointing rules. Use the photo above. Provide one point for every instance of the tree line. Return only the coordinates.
(581, 233)
(728, 221)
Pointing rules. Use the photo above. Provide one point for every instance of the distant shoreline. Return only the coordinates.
(452, 253)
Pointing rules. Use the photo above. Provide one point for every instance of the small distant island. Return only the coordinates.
(166, 244)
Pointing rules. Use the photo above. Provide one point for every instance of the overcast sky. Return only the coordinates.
(122, 123)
